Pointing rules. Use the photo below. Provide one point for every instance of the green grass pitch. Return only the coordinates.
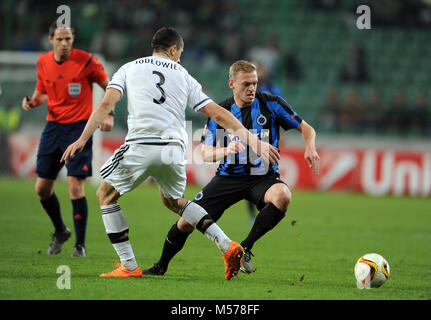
(310, 255)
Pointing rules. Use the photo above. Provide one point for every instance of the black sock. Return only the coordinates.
(80, 214)
(251, 209)
(174, 242)
(52, 208)
(267, 219)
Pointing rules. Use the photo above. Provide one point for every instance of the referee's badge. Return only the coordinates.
(261, 120)
(74, 89)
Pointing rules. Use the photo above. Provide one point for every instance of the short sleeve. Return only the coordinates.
(197, 99)
(118, 81)
(39, 84)
(97, 72)
(286, 116)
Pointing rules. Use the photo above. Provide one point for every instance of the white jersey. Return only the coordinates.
(158, 92)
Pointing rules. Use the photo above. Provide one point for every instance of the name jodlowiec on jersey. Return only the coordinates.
(158, 92)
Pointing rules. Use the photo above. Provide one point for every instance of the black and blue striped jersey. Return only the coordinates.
(263, 118)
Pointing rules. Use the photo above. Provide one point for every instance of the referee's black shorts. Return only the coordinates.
(224, 191)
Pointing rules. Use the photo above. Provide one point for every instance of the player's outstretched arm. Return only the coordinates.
(226, 120)
(309, 138)
(102, 109)
(36, 100)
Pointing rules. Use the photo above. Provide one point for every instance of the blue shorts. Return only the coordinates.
(54, 141)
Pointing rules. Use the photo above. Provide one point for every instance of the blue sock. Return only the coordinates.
(80, 214)
(52, 208)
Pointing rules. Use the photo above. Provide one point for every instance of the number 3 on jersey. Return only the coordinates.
(159, 86)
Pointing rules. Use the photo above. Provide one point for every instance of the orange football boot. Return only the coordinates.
(232, 260)
(120, 272)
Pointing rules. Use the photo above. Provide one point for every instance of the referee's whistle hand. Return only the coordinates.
(27, 103)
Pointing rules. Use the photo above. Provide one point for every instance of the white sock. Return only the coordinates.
(125, 252)
(117, 230)
(194, 213)
(217, 235)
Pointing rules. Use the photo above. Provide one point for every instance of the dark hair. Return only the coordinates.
(166, 37)
(53, 27)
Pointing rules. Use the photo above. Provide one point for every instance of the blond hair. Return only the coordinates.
(240, 65)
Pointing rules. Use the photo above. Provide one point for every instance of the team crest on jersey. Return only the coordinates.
(74, 89)
(199, 196)
(261, 120)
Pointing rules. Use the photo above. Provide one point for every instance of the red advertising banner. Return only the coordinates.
(374, 171)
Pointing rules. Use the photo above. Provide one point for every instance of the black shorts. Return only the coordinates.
(54, 141)
(224, 191)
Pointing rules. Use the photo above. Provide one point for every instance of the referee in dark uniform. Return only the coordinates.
(242, 175)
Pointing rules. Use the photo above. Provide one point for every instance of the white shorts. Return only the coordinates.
(131, 164)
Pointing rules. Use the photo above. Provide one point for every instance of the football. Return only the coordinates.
(371, 271)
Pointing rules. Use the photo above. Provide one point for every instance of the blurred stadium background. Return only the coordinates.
(365, 91)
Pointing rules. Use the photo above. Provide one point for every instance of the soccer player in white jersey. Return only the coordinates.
(158, 91)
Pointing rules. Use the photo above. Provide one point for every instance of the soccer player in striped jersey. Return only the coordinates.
(65, 78)
(242, 175)
(158, 91)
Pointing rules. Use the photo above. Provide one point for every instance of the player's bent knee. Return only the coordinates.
(171, 204)
(283, 200)
(103, 197)
(106, 194)
(42, 193)
(280, 196)
(43, 189)
(174, 205)
(184, 226)
(99, 193)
